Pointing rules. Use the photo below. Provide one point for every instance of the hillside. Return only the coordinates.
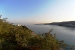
(65, 23)
(13, 37)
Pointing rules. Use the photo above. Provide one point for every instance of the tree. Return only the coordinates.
(0, 15)
(4, 19)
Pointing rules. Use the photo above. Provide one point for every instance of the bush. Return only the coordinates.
(14, 37)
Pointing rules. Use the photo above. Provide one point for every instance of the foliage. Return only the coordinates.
(14, 37)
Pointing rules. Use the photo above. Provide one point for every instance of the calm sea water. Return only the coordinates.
(62, 33)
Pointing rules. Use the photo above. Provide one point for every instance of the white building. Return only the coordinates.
(18, 25)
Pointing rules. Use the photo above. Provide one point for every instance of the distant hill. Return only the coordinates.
(65, 23)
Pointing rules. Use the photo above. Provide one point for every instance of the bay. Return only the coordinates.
(62, 33)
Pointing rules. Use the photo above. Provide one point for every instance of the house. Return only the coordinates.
(18, 25)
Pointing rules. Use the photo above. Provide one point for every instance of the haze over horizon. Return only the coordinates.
(37, 11)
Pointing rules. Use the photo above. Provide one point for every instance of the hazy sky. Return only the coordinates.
(37, 11)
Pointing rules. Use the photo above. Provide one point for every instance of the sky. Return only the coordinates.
(37, 11)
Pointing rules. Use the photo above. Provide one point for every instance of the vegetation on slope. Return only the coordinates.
(14, 37)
